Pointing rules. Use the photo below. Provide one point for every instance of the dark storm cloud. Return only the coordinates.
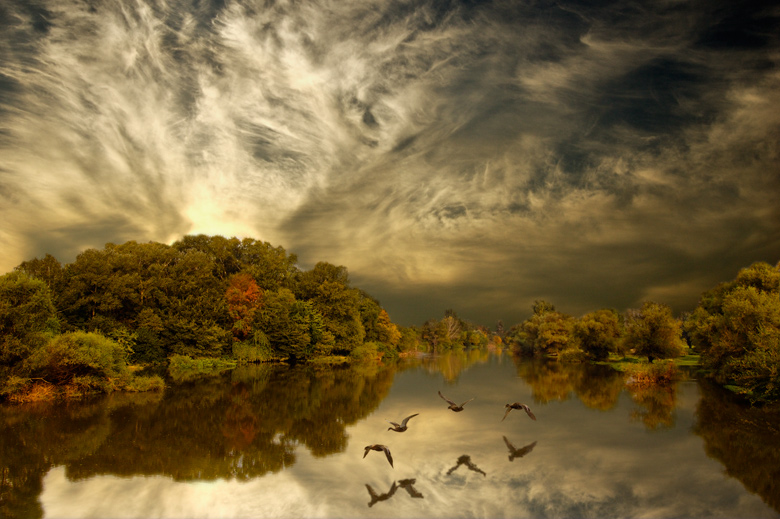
(466, 155)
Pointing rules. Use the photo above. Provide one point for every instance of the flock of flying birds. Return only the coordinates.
(452, 406)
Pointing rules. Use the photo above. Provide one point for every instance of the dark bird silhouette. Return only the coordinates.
(518, 453)
(408, 485)
(402, 426)
(377, 447)
(518, 405)
(375, 498)
(455, 407)
(466, 460)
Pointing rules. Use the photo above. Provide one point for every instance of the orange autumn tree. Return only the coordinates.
(244, 298)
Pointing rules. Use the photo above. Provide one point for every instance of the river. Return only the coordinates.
(277, 441)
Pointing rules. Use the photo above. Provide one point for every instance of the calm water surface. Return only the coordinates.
(274, 441)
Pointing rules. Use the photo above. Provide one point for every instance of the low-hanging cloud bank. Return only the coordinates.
(474, 156)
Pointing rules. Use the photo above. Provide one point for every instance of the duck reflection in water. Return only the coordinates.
(466, 460)
(408, 485)
(402, 426)
(377, 447)
(514, 452)
(375, 498)
(455, 407)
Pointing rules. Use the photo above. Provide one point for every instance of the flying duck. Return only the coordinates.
(402, 426)
(518, 405)
(455, 407)
(377, 447)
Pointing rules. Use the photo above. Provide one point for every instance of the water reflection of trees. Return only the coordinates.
(450, 364)
(597, 386)
(240, 425)
(656, 404)
(744, 439)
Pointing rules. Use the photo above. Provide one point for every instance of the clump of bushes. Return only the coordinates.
(183, 367)
(572, 356)
(75, 364)
(256, 349)
(756, 374)
(649, 375)
(366, 351)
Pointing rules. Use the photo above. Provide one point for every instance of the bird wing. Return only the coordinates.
(393, 423)
(403, 424)
(507, 413)
(389, 457)
(528, 448)
(509, 444)
(467, 401)
(447, 399)
(528, 410)
(367, 448)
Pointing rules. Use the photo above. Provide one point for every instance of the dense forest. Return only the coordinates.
(84, 326)
(81, 325)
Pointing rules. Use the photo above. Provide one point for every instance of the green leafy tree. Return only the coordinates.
(47, 269)
(736, 328)
(387, 331)
(369, 316)
(293, 328)
(434, 335)
(310, 281)
(327, 287)
(654, 332)
(555, 333)
(547, 331)
(223, 253)
(75, 356)
(598, 333)
(27, 317)
(271, 267)
(410, 339)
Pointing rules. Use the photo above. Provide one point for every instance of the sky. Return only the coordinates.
(467, 155)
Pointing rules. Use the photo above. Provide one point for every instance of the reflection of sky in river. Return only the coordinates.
(586, 463)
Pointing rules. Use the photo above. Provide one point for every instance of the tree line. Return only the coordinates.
(201, 297)
(82, 324)
(735, 328)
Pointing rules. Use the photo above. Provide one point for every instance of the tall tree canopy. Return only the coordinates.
(736, 327)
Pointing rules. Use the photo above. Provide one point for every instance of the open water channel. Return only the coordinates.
(279, 441)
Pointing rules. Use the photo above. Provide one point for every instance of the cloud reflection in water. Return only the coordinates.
(578, 461)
